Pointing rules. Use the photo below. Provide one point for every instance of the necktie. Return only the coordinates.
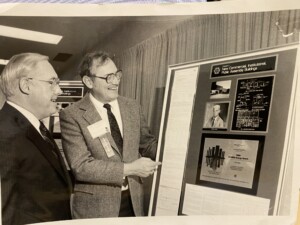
(114, 128)
(47, 137)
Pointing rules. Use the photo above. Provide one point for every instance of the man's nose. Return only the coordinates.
(58, 91)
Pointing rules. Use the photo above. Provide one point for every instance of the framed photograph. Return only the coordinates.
(230, 162)
(220, 89)
(252, 104)
(216, 116)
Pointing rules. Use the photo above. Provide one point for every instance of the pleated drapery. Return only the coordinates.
(145, 65)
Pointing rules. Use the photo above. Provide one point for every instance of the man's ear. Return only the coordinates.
(24, 85)
(88, 82)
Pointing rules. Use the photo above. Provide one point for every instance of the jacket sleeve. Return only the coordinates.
(85, 167)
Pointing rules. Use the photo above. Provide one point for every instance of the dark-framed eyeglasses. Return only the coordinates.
(110, 77)
(53, 82)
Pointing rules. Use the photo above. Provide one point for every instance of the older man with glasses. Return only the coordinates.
(107, 144)
(35, 184)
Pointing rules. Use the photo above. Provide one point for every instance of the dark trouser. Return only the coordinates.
(126, 209)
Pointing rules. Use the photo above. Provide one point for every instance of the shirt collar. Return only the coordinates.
(32, 118)
(99, 105)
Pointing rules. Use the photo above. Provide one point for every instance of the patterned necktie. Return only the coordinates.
(47, 137)
(114, 128)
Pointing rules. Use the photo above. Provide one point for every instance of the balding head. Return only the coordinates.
(19, 66)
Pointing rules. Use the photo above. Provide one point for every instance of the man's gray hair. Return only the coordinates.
(96, 58)
(19, 66)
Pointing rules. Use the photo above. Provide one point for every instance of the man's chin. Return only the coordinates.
(113, 97)
(54, 109)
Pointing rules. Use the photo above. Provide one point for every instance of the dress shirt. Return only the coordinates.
(103, 112)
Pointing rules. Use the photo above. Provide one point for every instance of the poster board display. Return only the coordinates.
(245, 155)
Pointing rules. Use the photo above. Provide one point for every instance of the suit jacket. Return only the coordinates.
(97, 191)
(35, 185)
(215, 122)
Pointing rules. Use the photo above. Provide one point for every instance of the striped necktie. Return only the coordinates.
(48, 138)
(114, 128)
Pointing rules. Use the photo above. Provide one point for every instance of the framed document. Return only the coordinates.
(230, 162)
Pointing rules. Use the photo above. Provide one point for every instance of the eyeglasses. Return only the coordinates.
(110, 77)
(53, 82)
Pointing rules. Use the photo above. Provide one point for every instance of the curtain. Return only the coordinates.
(206, 36)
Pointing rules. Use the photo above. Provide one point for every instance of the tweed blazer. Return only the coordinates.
(98, 177)
(35, 185)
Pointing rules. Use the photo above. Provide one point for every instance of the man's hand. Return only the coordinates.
(142, 167)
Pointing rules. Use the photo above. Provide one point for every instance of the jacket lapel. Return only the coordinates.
(64, 168)
(45, 149)
(92, 116)
(126, 120)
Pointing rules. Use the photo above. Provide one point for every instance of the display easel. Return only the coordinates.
(184, 182)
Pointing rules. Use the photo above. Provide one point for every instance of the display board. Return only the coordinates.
(224, 134)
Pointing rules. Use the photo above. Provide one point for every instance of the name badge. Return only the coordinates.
(107, 147)
(98, 129)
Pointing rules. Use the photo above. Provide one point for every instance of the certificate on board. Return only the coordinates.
(230, 162)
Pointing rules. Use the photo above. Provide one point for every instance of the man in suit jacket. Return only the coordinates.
(102, 161)
(35, 185)
(215, 121)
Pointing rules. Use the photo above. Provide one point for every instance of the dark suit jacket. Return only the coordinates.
(35, 185)
(97, 191)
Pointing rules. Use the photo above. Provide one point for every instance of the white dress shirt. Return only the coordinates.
(103, 112)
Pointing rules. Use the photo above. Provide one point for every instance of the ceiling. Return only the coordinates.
(82, 34)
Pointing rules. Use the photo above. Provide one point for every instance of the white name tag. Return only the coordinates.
(98, 129)
(107, 147)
